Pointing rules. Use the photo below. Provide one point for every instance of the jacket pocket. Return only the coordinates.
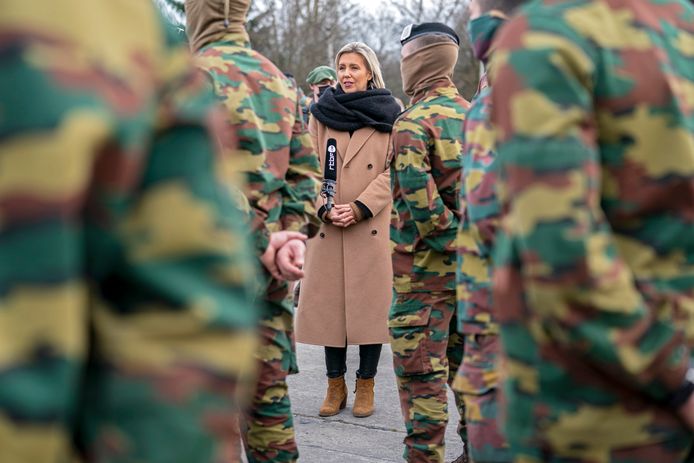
(409, 339)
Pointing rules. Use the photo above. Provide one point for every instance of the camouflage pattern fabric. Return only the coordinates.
(478, 382)
(305, 103)
(480, 220)
(276, 154)
(125, 280)
(425, 179)
(275, 149)
(427, 351)
(270, 435)
(478, 378)
(594, 279)
(302, 100)
(425, 176)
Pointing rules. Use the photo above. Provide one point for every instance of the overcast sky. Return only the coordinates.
(370, 5)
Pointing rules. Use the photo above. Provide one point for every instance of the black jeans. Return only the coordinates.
(336, 361)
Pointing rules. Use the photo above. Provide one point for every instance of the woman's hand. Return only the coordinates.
(342, 215)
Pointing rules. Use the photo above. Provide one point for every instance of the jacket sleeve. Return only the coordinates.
(559, 247)
(436, 222)
(302, 186)
(472, 275)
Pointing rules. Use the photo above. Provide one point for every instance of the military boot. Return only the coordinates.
(335, 398)
(364, 398)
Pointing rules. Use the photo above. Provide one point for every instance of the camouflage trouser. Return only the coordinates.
(478, 381)
(427, 351)
(270, 427)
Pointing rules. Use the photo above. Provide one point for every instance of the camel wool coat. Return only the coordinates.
(347, 288)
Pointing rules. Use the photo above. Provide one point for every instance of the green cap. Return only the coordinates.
(321, 73)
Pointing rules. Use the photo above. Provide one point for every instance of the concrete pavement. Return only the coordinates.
(344, 438)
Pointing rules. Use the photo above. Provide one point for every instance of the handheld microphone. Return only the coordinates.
(330, 174)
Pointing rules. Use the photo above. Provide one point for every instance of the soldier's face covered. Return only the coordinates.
(320, 88)
(425, 60)
(353, 73)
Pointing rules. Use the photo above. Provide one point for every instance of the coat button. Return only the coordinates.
(322, 235)
(374, 232)
(370, 166)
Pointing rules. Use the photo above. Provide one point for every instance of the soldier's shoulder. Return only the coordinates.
(449, 105)
(411, 118)
(573, 20)
(480, 104)
(244, 58)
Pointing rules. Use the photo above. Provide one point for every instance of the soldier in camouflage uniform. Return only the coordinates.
(478, 376)
(594, 282)
(303, 100)
(124, 272)
(281, 167)
(425, 176)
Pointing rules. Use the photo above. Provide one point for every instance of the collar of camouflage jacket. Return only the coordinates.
(427, 66)
(209, 21)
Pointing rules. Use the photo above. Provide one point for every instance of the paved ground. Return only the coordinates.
(344, 438)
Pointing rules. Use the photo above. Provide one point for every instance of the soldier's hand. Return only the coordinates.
(290, 260)
(686, 412)
(277, 240)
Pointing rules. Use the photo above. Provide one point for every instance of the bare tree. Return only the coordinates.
(298, 35)
(173, 10)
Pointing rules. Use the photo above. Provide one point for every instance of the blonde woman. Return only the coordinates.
(346, 291)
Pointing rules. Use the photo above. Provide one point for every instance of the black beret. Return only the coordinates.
(415, 30)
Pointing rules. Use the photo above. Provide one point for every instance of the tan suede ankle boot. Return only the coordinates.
(364, 398)
(335, 398)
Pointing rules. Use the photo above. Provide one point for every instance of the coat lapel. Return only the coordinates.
(359, 138)
(343, 142)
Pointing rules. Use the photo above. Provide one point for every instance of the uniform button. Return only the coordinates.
(374, 232)
(322, 235)
(370, 166)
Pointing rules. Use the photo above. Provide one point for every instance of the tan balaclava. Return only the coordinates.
(209, 20)
(427, 60)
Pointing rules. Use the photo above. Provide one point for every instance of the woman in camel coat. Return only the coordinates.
(347, 288)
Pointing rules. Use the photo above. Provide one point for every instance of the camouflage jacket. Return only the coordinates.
(481, 211)
(274, 147)
(595, 266)
(305, 103)
(124, 262)
(425, 180)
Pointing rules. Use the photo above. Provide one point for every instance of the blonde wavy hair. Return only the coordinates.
(370, 58)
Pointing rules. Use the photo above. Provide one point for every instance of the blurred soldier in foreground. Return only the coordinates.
(125, 295)
(594, 282)
(478, 376)
(276, 155)
(425, 173)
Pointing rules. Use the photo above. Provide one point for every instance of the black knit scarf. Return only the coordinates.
(347, 112)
